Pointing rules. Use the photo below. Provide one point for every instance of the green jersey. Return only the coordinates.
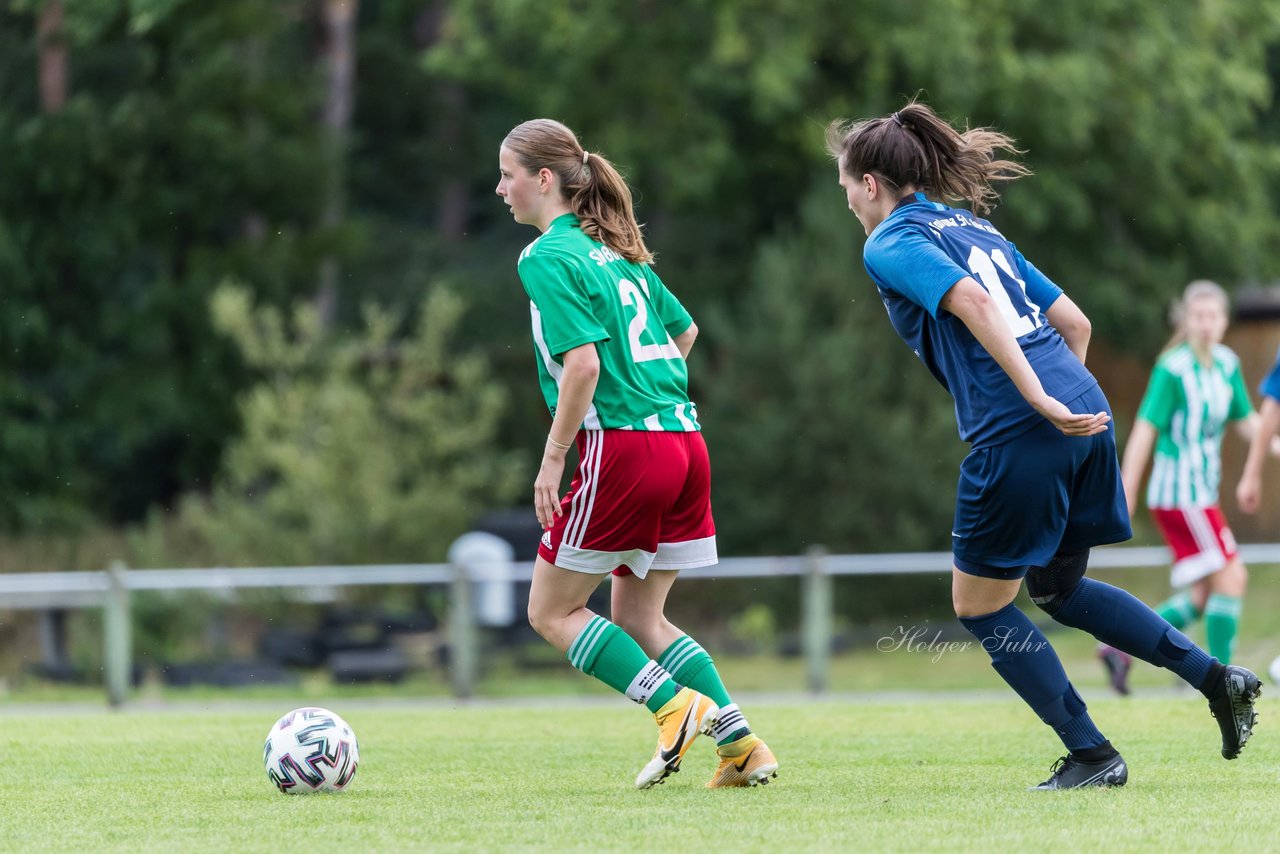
(581, 291)
(1190, 404)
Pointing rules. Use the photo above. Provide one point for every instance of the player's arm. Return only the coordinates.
(970, 302)
(1137, 451)
(1072, 325)
(1249, 489)
(577, 389)
(684, 341)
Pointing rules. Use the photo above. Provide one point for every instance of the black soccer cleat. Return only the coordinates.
(1070, 772)
(1233, 705)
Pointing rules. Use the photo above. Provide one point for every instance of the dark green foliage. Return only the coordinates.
(190, 152)
(824, 428)
(186, 152)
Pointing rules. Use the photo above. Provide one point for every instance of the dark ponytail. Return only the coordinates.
(593, 188)
(915, 148)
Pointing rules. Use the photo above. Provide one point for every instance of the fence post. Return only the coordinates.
(117, 641)
(817, 607)
(462, 629)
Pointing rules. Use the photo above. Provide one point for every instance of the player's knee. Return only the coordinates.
(630, 623)
(1231, 580)
(1050, 586)
(540, 620)
(646, 629)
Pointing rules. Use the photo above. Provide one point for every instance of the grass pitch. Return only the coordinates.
(937, 772)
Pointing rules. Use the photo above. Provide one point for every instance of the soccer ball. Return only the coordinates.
(1274, 670)
(311, 750)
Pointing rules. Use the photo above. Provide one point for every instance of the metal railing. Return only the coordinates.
(111, 589)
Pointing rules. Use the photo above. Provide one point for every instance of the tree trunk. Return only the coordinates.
(339, 58)
(454, 198)
(51, 48)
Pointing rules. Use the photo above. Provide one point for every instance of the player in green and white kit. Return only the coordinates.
(611, 342)
(1196, 391)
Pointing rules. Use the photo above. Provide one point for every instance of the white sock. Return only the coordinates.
(731, 720)
(648, 680)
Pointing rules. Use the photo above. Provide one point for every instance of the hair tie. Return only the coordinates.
(585, 155)
(897, 119)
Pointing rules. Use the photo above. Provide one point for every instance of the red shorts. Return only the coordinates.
(640, 500)
(1200, 539)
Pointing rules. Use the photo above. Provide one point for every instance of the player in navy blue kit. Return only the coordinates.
(1041, 483)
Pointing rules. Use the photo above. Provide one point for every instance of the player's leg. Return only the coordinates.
(1117, 663)
(1197, 554)
(1025, 659)
(1223, 608)
(1225, 588)
(687, 541)
(1180, 609)
(1010, 504)
(1115, 617)
(643, 602)
(594, 645)
(1121, 620)
(1191, 563)
(610, 519)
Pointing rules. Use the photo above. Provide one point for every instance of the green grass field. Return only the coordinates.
(941, 772)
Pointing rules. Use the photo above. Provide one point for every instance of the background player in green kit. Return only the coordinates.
(611, 342)
(1196, 391)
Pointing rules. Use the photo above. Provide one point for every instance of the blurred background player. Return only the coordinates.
(611, 342)
(1249, 489)
(1196, 391)
(1041, 484)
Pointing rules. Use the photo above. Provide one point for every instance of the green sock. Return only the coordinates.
(1221, 622)
(689, 664)
(609, 654)
(1178, 609)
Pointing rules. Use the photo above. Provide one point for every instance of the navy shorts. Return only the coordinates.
(1039, 494)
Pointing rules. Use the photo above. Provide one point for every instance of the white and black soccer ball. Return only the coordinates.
(311, 750)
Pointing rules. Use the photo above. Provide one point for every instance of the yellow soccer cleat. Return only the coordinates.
(744, 762)
(679, 722)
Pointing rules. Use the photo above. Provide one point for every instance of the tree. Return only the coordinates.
(377, 447)
(119, 213)
(822, 426)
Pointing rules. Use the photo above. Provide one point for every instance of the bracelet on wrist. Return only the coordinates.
(559, 445)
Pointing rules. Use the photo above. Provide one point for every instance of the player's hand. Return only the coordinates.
(546, 487)
(1249, 493)
(1069, 422)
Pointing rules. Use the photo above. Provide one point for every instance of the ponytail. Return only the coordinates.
(593, 188)
(915, 148)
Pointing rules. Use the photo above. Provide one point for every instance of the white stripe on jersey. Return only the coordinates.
(554, 368)
(524, 253)
(653, 423)
(1189, 452)
(688, 425)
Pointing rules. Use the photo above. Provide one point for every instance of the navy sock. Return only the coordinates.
(1115, 617)
(1022, 655)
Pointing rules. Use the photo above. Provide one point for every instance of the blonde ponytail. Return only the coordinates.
(593, 188)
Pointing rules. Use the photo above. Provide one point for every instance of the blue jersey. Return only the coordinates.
(915, 256)
(1271, 385)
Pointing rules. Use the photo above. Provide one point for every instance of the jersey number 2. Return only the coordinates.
(984, 267)
(633, 296)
